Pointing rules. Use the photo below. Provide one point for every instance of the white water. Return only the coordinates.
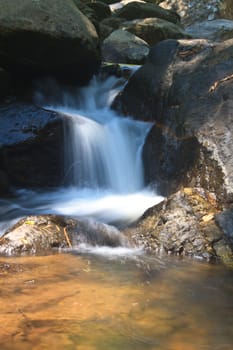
(103, 166)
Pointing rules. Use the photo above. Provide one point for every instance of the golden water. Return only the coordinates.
(69, 302)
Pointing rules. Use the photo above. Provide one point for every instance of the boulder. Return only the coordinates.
(43, 233)
(36, 234)
(100, 9)
(216, 30)
(88, 12)
(184, 224)
(123, 47)
(50, 37)
(185, 88)
(31, 143)
(108, 25)
(136, 10)
(153, 30)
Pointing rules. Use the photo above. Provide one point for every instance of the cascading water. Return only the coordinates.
(103, 167)
(103, 150)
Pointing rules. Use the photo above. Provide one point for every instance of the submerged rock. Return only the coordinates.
(50, 37)
(184, 224)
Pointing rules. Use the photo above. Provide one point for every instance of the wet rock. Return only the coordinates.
(136, 10)
(123, 47)
(93, 233)
(48, 38)
(153, 30)
(183, 224)
(34, 235)
(117, 70)
(216, 30)
(31, 143)
(184, 88)
(43, 233)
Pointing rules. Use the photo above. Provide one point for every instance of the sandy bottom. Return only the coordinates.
(68, 301)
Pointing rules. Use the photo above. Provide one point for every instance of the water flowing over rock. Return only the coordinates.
(48, 38)
(103, 175)
(185, 89)
(44, 233)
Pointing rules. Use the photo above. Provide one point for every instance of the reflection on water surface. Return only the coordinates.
(69, 301)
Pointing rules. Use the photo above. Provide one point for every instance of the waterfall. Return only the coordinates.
(103, 166)
(102, 149)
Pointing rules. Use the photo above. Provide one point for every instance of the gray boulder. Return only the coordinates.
(50, 37)
(123, 47)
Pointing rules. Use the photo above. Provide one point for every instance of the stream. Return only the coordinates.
(98, 297)
(103, 168)
(103, 302)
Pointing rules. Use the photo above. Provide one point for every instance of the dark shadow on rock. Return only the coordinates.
(185, 88)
